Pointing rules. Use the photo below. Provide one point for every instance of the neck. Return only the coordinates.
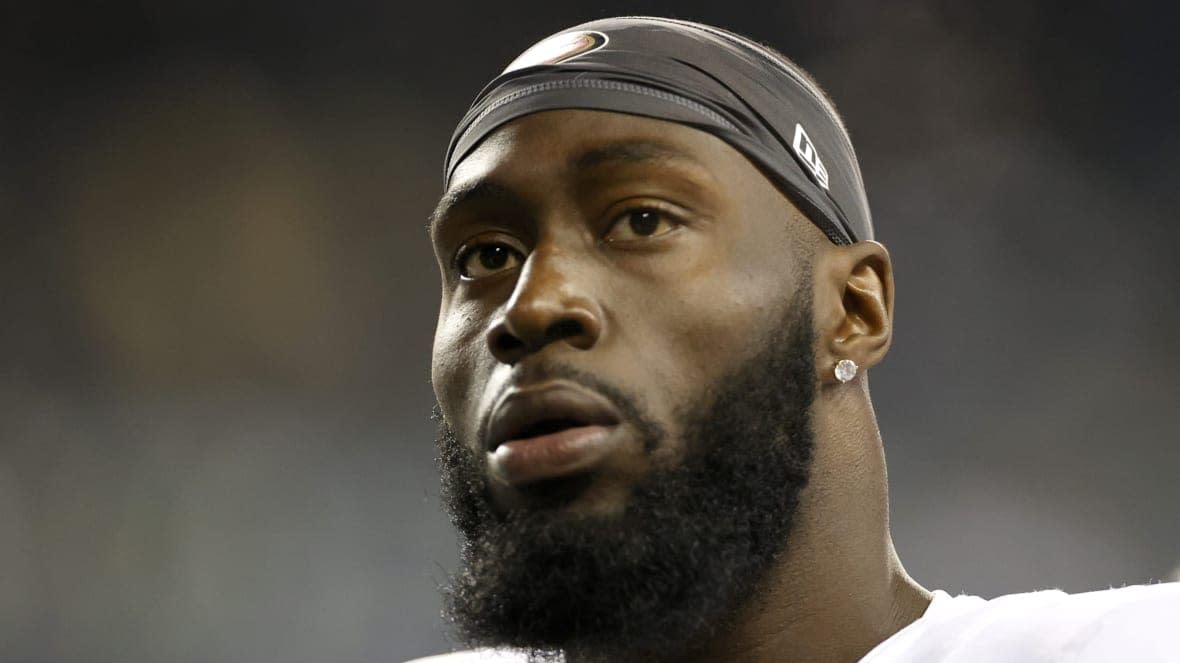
(839, 589)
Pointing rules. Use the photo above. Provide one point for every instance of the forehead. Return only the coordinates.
(543, 150)
(537, 156)
(561, 142)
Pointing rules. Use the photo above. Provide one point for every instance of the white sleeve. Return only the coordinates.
(475, 656)
(1143, 625)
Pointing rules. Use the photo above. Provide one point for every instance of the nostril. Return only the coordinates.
(506, 343)
(525, 331)
(563, 329)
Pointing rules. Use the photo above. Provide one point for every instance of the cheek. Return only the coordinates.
(714, 329)
(455, 362)
(718, 307)
(688, 330)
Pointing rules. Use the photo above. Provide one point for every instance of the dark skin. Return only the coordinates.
(650, 254)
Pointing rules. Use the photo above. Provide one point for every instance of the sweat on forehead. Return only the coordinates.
(704, 77)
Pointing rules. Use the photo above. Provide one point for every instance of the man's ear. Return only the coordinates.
(853, 306)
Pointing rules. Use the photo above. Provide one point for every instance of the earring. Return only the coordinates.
(845, 370)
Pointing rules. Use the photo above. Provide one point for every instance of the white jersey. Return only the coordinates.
(475, 656)
(1140, 623)
(1137, 623)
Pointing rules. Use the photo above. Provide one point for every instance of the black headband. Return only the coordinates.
(700, 76)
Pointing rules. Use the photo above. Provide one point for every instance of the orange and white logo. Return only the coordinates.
(559, 48)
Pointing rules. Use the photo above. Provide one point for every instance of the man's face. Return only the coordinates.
(644, 270)
(645, 253)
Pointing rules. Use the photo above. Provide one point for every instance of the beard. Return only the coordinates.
(692, 546)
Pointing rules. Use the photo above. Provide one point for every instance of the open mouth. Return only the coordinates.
(546, 427)
(538, 412)
(554, 430)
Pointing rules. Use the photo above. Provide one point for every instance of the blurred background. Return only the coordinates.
(217, 300)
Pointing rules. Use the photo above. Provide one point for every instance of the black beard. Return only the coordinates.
(691, 548)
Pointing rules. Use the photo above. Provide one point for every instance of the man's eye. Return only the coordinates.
(640, 223)
(486, 259)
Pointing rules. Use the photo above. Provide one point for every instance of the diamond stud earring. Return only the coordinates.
(845, 370)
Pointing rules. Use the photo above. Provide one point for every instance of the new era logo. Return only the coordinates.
(807, 154)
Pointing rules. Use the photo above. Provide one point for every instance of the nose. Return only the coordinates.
(548, 305)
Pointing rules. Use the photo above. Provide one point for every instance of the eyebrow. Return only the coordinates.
(472, 192)
(629, 151)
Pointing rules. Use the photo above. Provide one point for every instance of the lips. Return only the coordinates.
(549, 431)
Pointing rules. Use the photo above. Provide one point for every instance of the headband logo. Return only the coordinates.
(810, 158)
(559, 48)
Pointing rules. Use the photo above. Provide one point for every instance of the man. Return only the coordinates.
(660, 299)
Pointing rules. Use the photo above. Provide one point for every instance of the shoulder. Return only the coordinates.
(1129, 623)
(475, 656)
